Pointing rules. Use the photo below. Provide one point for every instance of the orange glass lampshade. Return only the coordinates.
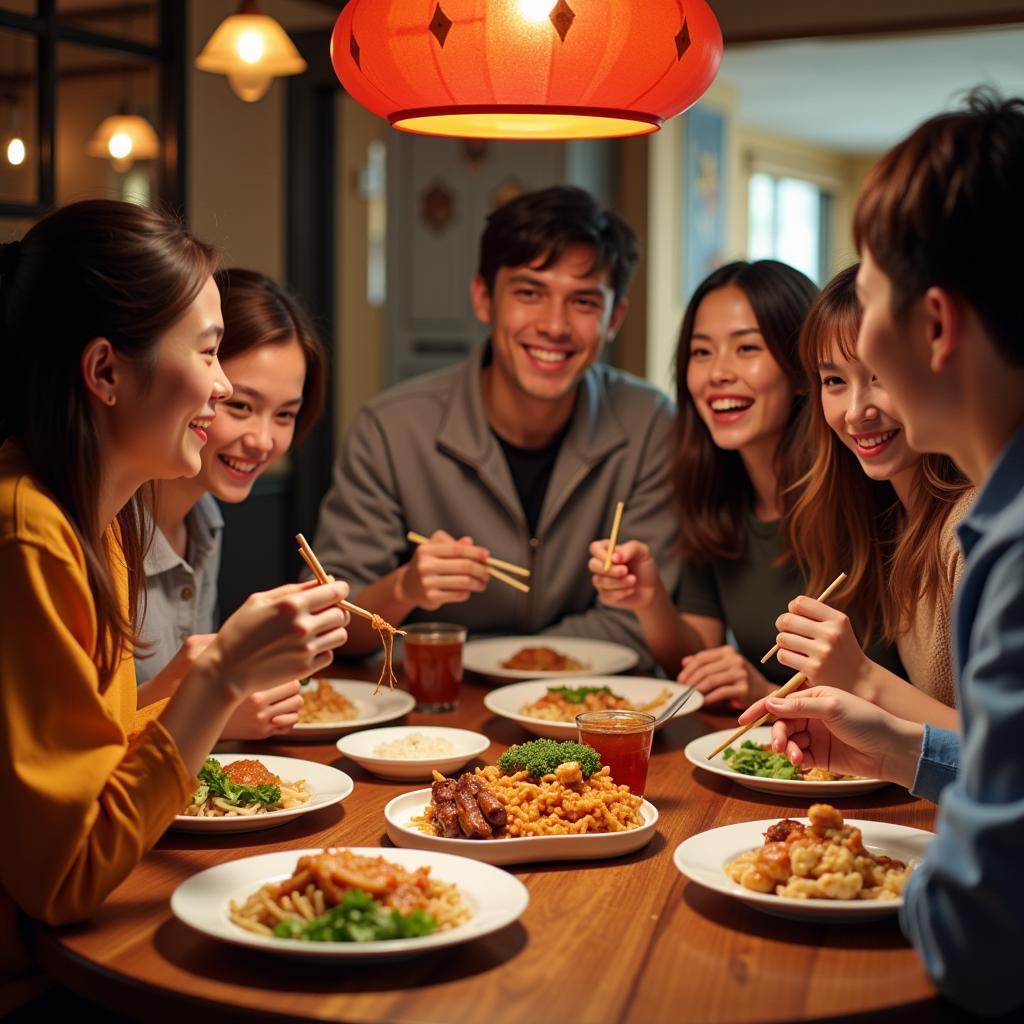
(526, 69)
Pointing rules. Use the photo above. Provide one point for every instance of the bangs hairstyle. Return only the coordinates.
(713, 490)
(257, 311)
(840, 516)
(945, 208)
(543, 224)
(94, 269)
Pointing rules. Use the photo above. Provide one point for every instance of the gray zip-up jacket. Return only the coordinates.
(421, 456)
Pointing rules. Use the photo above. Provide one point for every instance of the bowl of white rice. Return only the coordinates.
(412, 751)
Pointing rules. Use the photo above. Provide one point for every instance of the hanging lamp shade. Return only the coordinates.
(526, 69)
(252, 49)
(124, 138)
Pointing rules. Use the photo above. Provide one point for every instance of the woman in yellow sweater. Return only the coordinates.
(109, 327)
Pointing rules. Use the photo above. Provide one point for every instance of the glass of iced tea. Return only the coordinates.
(433, 664)
(623, 739)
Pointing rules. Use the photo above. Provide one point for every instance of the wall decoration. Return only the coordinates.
(507, 191)
(703, 197)
(437, 207)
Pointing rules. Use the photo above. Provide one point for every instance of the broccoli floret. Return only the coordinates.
(542, 757)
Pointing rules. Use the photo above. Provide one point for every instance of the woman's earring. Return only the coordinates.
(111, 399)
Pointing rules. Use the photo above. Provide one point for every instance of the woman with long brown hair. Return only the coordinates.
(274, 362)
(109, 327)
(882, 511)
(740, 394)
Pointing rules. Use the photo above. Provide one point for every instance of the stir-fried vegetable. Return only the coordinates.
(358, 918)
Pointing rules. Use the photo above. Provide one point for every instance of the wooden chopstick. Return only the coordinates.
(494, 565)
(783, 691)
(823, 596)
(498, 563)
(324, 577)
(614, 535)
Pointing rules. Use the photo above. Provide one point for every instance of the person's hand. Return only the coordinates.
(632, 580)
(265, 713)
(443, 571)
(277, 636)
(819, 641)
(188, 654)
(723, 674)
(824, 727)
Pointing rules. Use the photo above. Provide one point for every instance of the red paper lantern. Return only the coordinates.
(526, 69)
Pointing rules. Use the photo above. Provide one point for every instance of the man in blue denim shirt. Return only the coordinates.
(939, 225)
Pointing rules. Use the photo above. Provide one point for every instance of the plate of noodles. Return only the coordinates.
(412, 751)
(542, 657)
(739, 762)
(549, 707)
(818, 868)
(502, 815)
(349, 903)
(333, 707)
(242, 793)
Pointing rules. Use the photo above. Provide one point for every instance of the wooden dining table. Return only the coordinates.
(623, 940)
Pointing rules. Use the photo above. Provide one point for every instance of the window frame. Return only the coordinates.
(169, 56)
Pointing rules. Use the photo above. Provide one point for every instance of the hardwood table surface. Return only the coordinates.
(624, 940)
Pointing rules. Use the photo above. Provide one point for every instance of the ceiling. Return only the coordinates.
(863, 95)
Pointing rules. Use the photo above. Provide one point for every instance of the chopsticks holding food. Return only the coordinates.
(783, 691)
(377, 622)
(614, 535)
(494, 565)
(823, 596)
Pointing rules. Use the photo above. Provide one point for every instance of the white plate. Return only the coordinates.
(360, 746)
(495, 898)
(328, 786)
(702, 859)
(385, 707)
(601, 657)
(400, 812)
(697, 750)
(508, 701)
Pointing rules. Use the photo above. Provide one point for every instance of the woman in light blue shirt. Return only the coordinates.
(275, 363)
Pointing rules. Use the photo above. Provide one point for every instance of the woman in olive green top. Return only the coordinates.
(740, 392)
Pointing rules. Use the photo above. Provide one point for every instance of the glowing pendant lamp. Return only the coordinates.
(124, 138)
(252, 50)
(526, 69)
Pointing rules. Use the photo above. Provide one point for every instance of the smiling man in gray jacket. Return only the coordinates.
(522, 450)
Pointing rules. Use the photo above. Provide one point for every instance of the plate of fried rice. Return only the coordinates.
(285, 903)
(546, 821)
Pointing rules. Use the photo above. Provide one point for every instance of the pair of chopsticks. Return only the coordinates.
(494, 565)
(783, 691)
(324, 577)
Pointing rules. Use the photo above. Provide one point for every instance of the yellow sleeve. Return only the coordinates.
(82, 803)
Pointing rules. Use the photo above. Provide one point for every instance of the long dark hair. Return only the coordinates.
(713, 490)
(257, 311)
(841, 516)
(94, 269)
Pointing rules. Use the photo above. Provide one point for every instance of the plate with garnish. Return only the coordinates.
(242, 793)
(751, 764)
(549, 707)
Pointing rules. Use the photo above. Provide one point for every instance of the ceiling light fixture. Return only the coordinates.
(124, 138)
(527, 69)
(252, 50)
